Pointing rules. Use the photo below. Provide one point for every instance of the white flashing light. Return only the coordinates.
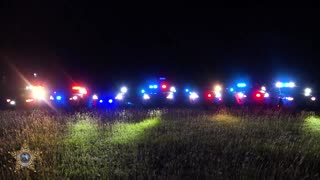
(289, 98)
(193, 95)
(124, 89)
(313, 98)
(8, 100)
(119, 96)
(100, 101)
(240, 95)
(110, 101)
(173, 89)
(217, 88)
(83, 91)
(12, 103)
(95, 97)
(74, 97)
(307, 92)
(146, 97)
(29, 100)
(279, 84)
(38, 92)
(266, 95)
(263, 88)
(170, 96)
(51, 98)
(218, 95)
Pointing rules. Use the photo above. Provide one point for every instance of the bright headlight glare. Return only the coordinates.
(95, 97)
(170, 96)
(119, 96)
(38, 92)
(307, 92)
(217, 88)
(146, 97)
(124, 89)
(193, 95)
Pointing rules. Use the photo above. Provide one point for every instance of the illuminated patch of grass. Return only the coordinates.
(123, 133)
(226, 119)
(183, 144)
(312, 125)
(82, 133)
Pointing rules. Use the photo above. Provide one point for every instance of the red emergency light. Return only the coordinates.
(258, 96)
(81, 90)
(164, 86)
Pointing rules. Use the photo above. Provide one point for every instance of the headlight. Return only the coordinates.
(173, 89)
(95, 97)
(289, 98)
(119, 96)
(218, 95)
(193, 96)
(39, 92)
(307, 92)
(241, 95)
(75, 98)
(12, 103)
(217, 88)
(124, 89)
(146, 97)
(170, 96)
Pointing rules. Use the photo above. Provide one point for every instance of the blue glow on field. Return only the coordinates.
(231, 89)
(150, 86)
(187, 90)
(241, 85)
(155, 86)
(100, 101)
(58, 98)
(110, 101)
(143, 91)
(162, 78)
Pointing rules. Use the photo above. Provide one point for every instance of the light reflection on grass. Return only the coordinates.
(226, 119)
(82, 133)
(123, 133)
(312, 125)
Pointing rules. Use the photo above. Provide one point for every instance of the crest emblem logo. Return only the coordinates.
(25, 157)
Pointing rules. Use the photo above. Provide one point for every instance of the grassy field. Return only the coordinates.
(163, 144)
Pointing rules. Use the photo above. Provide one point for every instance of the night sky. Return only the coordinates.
(101, 43)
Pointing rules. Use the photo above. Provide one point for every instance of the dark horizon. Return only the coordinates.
(98, 46)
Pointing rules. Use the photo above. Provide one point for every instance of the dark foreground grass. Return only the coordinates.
(163, 144)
